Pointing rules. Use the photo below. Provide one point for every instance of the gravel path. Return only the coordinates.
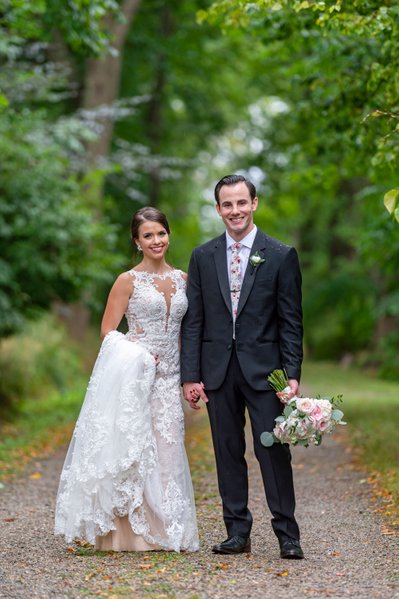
(347, 554)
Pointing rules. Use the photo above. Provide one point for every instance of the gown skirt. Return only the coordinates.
(124, 485)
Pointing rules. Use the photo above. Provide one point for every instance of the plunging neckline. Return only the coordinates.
(162, 276)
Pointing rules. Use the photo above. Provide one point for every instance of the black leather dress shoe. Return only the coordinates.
(291, 549)
(233, 545)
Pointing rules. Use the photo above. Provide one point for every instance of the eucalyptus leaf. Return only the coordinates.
(287, 411)
(303, 442)
(337, 415)
(267, 439)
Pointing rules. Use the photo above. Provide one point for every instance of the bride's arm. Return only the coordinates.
(117, 302)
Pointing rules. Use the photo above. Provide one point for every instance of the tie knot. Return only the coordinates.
(236, 247)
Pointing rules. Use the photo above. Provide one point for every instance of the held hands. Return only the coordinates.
(294, 390)
(193, 392)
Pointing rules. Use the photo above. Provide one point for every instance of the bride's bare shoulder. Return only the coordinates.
(125, 280)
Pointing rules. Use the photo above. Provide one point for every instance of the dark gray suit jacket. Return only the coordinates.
(269, 318)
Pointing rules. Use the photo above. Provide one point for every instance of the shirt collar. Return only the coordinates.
(247, 241)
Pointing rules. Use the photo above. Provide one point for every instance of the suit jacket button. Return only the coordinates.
(229, 346)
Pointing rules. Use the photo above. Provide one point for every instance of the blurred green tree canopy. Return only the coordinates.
(50, 246)
(328, 155)
(301, 96)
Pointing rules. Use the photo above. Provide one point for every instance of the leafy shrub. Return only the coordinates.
(36, 361)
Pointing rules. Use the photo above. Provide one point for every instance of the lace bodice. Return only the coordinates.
(154, 314)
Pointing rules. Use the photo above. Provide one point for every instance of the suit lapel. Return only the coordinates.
(221, 269)
(250, 272)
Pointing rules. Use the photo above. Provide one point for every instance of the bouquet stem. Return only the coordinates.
(278, 380)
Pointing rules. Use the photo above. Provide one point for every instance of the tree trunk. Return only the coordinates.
(101, 84)
(101, 87)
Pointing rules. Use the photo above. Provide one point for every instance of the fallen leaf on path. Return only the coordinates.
(283, 573)
(71, 549)
(340, 574)
(222, 566)
(145, 566)
(390, 531)
(83, 543)
(36, 475)
(8, 519)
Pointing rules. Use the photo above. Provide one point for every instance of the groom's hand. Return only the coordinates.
(193, 392)
(285, 396)
(294, 386)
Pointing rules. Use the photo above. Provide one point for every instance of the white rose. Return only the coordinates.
(325, 407)
(280, 430)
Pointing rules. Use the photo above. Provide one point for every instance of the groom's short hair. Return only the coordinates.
(232, 180)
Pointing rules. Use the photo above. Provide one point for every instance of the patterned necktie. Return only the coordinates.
(235, 277)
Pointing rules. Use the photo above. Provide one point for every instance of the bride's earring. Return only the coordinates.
(139, 248)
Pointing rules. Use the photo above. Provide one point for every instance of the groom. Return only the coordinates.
(244, 320)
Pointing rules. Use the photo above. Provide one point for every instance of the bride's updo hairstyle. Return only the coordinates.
(144, 214)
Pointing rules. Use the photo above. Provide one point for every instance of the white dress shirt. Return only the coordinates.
(245, 250)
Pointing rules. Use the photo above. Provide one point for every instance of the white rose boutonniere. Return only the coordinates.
(255, 260)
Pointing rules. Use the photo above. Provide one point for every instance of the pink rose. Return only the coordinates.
(323, 425)
(301, 430)
(317, 412)
(311, 424)
(305, 405)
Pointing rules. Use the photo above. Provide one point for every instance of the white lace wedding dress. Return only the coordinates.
(126, 484)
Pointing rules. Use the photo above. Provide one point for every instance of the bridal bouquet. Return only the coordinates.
(304, 420)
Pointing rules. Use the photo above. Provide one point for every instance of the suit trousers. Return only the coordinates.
(226, 410)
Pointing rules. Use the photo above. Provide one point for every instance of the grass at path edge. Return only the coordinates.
(371, 408)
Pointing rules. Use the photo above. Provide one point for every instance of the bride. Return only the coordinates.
(125, 484)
